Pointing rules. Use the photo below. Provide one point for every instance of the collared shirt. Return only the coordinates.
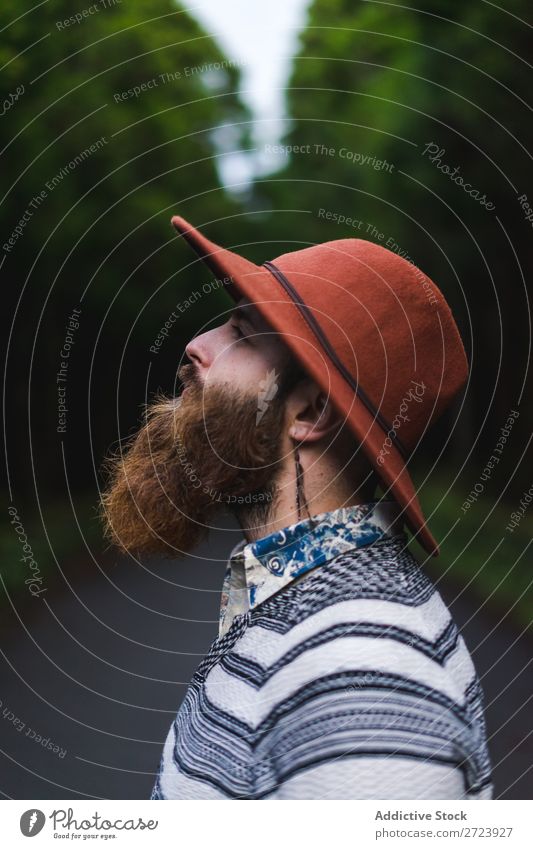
(255, 571)
(338, 672)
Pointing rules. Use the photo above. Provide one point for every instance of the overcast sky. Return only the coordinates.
(263, 37)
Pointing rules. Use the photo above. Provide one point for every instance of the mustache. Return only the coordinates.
(188, 376)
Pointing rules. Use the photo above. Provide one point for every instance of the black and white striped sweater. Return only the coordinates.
(338, 673)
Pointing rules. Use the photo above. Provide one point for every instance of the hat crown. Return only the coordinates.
(389, 324)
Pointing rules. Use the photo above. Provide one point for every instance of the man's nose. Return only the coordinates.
(196, 352)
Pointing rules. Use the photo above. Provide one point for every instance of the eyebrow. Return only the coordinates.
(244, 313)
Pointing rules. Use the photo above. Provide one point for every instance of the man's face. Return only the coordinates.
(238, 353)
(218, 445)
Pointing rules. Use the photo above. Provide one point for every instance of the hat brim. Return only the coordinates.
(260, 287)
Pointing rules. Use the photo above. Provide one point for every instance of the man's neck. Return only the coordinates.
(263, 518)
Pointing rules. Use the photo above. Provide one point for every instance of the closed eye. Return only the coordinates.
(238, 331)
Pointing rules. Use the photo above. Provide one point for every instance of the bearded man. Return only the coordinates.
(337, 671)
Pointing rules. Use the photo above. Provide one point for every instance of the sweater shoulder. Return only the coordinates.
(385, 572)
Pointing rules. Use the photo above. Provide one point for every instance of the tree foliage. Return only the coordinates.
(116, 126)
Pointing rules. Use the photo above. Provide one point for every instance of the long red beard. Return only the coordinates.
(194, 456)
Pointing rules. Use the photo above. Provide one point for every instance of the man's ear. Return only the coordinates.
(311, 415)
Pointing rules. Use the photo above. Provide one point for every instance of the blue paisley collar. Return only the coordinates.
(257, 570)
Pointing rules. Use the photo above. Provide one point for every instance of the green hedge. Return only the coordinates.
(478, 552)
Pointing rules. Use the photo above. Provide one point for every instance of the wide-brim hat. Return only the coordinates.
(372, 330)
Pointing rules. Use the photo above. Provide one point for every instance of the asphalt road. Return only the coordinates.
(92, 674)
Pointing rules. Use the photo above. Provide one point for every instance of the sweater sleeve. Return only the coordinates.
(368, 735)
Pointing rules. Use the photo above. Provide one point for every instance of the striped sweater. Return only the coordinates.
(338, 673)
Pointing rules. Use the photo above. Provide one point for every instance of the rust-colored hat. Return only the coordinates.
(372, 330)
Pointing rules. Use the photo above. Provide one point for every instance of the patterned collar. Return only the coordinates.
(257, 570)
